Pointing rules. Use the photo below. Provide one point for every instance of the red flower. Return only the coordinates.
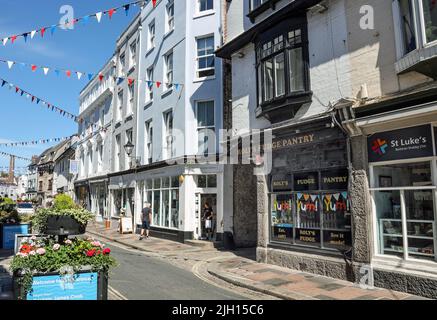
(106, 251)
(25, 248)
(91, 253)
(98, 252)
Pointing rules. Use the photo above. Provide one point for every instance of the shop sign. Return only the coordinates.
(9, 232)
(82, 286)
(335, 179)
(282, 183)
(337, 238)
(406, 143)
(308, 235)
(282, 232)
(306, 181)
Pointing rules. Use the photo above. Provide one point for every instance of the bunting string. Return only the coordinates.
(49, 105)
(83, 20)
(5, 154)
(34, 142)
(81, 74)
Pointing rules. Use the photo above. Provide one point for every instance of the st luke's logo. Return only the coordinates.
(379, 146)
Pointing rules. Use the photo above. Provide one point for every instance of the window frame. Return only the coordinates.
(133, 53)
(169, 19)
(286, 48)
(168, 84)
(149, 141)
(122, 64)
(206, 127)
(168, 133)
(151, 35)
(406, 256)
(149, 89)
(130, 103)
(199, 6)
(198, 70)
(120, 94)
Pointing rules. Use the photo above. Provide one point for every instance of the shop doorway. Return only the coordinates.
(211, 200)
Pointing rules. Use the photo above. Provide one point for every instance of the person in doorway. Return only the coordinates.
(208, 216)
(146, 217)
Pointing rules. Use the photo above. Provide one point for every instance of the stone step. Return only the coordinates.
(204, 243)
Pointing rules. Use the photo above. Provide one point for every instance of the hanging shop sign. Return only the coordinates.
(334, 179)
(399, 144)
(306, 181)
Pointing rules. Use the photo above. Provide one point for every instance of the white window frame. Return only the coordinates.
(206, 10)
(100, 157)
(122, 64)
(199, 128)
(133, 53)
(149, 141)
(149, 90)
(118, 152)
(120, 94)
(197, 76)
(375, 228)
(151, 35)
(168, 84)
(168, 134)
(169, 19)
(130, 103)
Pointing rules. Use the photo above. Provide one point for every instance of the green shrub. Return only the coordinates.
(9, 216)
(63, 202)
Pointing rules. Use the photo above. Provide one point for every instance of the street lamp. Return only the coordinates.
(129, 147)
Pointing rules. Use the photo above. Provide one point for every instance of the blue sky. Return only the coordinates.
(86, 48)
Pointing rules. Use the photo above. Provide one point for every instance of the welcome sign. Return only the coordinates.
(399, 144)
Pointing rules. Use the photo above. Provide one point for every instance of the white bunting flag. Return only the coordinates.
(79, 75)
(32, 34)
(99, 16)
(5, 40)
(314, 197)
(46, 70)
(10, 64)
(336, 196)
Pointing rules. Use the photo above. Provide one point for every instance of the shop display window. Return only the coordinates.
(282, 217)
(404, 196)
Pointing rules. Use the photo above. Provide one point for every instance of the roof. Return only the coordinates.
(248, 36)
(48, 155)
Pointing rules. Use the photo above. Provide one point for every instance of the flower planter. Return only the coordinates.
(83, 285)
(63, 226)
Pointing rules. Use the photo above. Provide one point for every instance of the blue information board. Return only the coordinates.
(82, 286)
(9, 233)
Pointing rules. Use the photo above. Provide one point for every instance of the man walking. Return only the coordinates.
(146, 217)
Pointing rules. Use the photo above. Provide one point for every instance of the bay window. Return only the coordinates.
(281, 66)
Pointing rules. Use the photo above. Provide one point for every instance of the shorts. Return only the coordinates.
(146, 225)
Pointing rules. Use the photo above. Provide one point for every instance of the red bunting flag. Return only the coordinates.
(68, 73)
(42, 32)
(101, 77)
(111, 12)
(16, 89)
(34, 68)
(158, 84)
(130, 81)
(13, 38)
(154, 3)
(33, 98)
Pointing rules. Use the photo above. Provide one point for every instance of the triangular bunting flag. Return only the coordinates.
(336, 196)
(99, 16)
(16, 89)
(154, 3)
(33, 98)
(158, 84)
(68, 73)
(314, 197)
(111, 12)
(10, 64)
(79, 75)
(13, 38)
(42, 31)
(53, 29)
(25, 36)
(306, 196)
(119, 80)
(126, 9)
(101, 77)
(176, 86)
(46, 70)
(344, 194)
(130, 81)
(85, 19)
(3, 83)
(328, 196)
(32, 34)
(34, 67)
(90, 76)
(5, 40)
(37, 100)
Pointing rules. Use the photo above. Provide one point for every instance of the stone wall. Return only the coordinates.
(245, 206)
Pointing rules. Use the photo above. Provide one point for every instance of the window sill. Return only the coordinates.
(149, 51)
(148, 104)
(129, 117)
(204, 79)
(167, 92)
(168, 33)
(204, 14)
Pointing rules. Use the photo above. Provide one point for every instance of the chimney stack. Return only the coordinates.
(11, 177)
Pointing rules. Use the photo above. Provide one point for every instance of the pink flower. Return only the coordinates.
(32, 253)
(21, 254)
(56, 246)
(68, 241)
(33, 238)
(41, 251)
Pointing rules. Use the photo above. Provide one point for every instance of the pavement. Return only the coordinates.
(238, 270)
(5, 275)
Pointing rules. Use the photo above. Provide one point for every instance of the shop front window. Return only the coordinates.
(282, 217)
(403, 196)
